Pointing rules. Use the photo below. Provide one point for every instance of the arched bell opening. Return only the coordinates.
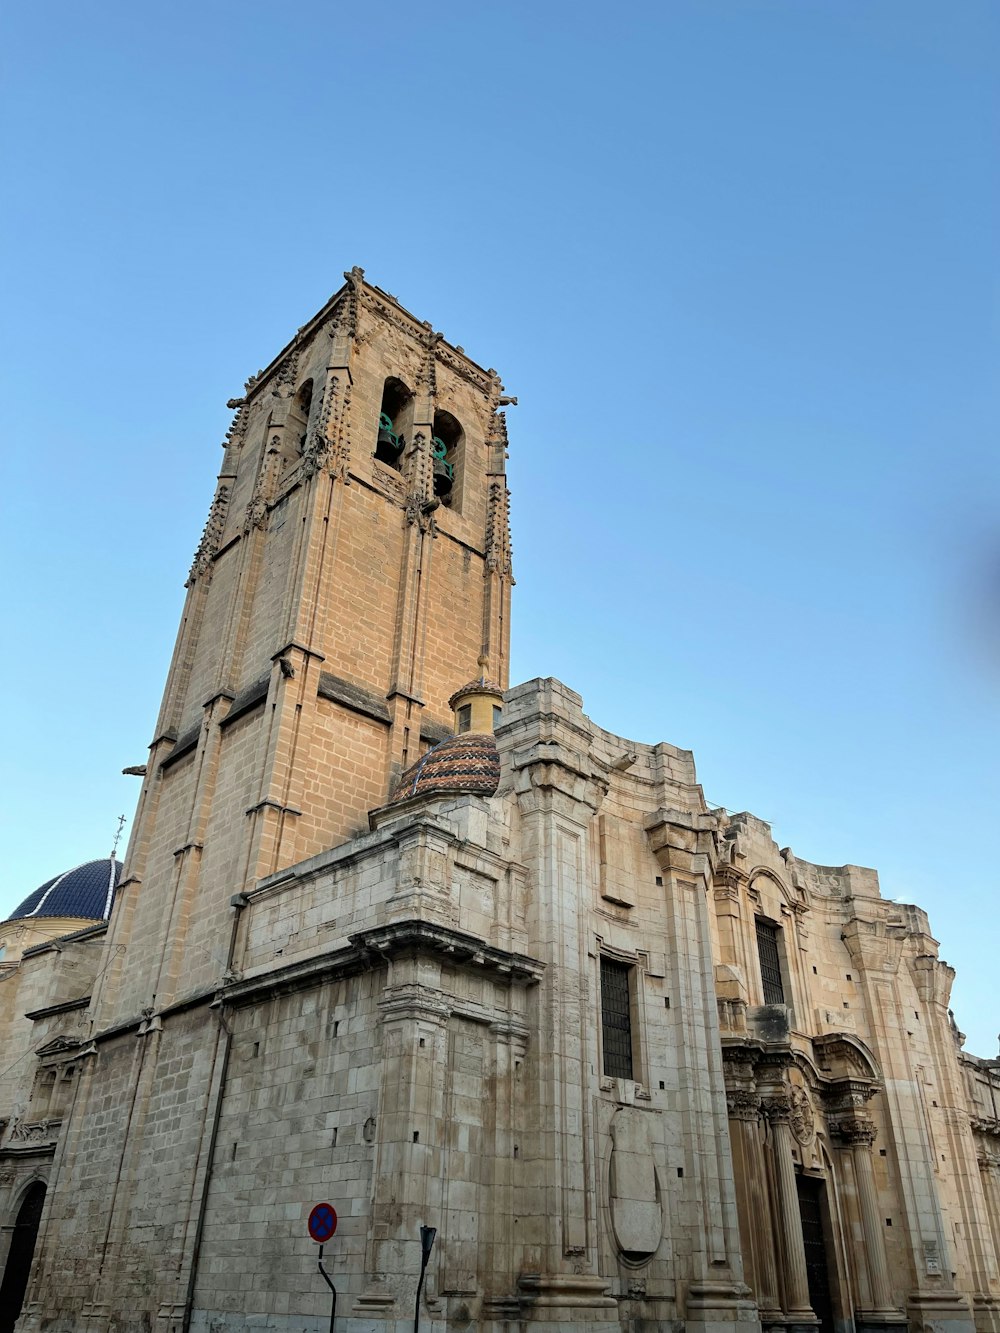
(394, 423)
(446, 449)
(19, 1256)
(297, 426)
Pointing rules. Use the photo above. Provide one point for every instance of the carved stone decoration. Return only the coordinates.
(256, 511)
(415, 513)
(238, 426)
(419, 509)
(340, 430)
(347, 312)
(802, 1119)
(427, 374)
(498, 548)
(39, 1131)
(286, 375)
(328, 446)
(633, 1193)
(211, 535)
(742, 1104)
(855, 1132)
(777, 1108)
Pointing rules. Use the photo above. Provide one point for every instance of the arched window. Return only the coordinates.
(297, 428)
(395, 420)
(447, 449)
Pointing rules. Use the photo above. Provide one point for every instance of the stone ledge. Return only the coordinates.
(354, 697)
(372, 948)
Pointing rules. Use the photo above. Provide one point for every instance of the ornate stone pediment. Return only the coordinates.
(841, 1056)
(58, 1046)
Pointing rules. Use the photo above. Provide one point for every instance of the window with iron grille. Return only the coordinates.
(770, 962)
(616, 1018)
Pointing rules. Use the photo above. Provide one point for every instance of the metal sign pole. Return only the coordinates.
(427, 1235)
(322, 1225)
(333, 1289)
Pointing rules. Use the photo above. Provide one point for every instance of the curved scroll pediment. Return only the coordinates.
(841, 1055)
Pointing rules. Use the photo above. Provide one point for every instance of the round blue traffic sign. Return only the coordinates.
(322, 1222)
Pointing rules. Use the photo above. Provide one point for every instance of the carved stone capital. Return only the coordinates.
(854, 1132)
(777, 1108)
(743, 1104)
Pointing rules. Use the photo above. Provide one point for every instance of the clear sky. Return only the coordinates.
(737, 259)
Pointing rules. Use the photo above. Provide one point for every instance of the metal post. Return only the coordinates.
(333, 1289)
(427, 1235)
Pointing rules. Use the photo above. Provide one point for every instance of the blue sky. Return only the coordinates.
(738, 262)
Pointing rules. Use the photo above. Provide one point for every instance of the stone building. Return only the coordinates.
(51, 948)
(446, 954)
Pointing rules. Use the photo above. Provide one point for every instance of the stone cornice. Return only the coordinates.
(683, 840)
(66, 1007)
(549, 767)
(375, 947)
(454, 946)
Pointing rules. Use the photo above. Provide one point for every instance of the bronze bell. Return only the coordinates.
(443, 477)
(387, 447)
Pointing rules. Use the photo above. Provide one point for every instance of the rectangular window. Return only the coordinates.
(770, 962)
(465, 718)
(616, 1018)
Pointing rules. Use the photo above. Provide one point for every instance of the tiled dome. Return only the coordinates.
(466, 763)
(85, 892)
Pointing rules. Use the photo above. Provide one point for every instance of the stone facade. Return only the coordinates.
(639, 1068)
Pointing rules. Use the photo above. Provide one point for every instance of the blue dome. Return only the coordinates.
(85, 891)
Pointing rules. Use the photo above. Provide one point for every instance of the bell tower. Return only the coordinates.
(354, 568)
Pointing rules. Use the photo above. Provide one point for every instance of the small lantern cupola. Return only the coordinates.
(478, 706)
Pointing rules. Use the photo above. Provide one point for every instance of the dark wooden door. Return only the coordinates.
(22, 1247)
(817, 1270)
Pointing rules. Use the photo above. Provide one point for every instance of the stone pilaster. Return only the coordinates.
(989, 1171)
(497, 570)
(753, 1199)
(858, 1137)
(684, 845)
(407, 1177)
(876, 950)
(798, 1309)
(559, 790)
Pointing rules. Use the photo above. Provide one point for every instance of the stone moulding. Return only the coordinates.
(252, 697)
(66, 1007)
(184, 746)
(354, 697)
(455, 945)
(372, 948)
